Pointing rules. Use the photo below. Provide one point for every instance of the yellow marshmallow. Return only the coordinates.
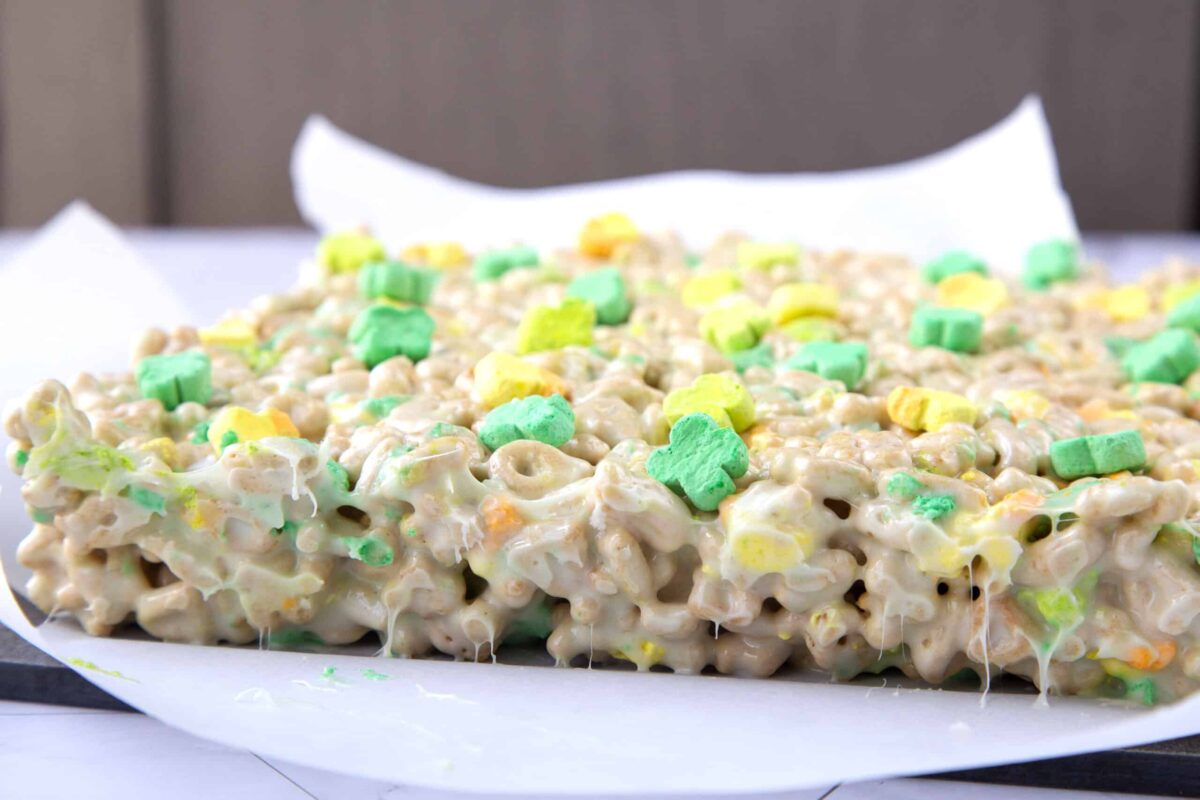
(500, 377)
(164, 448)
(443, 255)
(552, 328)
(719, 396)
(229, 333)
(972, 291)
(764, 255)
(348, 251)
(1176, 293)
(1026, 404)
(766, 552)
(602, 235)
(734, 327)
(703, 290)
(923, 409)
(345, 412)
(794, 300)
(1127, 304)
(248, 426)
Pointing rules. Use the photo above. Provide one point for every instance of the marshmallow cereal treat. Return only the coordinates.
(748, 459)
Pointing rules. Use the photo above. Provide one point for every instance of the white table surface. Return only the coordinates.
(59, 752)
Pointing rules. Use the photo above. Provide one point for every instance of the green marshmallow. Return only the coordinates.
(904, 485)
(833, 361)
(1143, 690)
(760, 355)
(380, 407)
(549, 420)
(148, 499)
(176, 378)
(952, 263)
(957, 329)
(1186, 314)
(494, 264)
(397, 281)
(1170, 357)
(933, 506)
(1097, 455)
(604, 289)
(1050, 262)
(381, 332)
(369, 550)
(701, 461)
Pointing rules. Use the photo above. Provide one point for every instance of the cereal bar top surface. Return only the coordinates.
(740, 459)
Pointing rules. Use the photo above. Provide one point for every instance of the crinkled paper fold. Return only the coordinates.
(995, 194)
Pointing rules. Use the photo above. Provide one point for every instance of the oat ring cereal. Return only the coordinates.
(756, 457)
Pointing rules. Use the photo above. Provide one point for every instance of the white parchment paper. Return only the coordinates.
(513, 729)
(995, 193)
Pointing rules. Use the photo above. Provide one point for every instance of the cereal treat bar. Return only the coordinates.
(755, 457)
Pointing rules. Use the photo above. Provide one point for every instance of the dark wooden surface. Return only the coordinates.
(181, 112)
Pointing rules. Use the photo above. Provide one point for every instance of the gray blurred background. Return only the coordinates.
(184, 112)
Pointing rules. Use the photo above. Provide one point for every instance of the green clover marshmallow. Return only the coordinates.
(833, 361)
(1050, 262)
(380, 332)
(397, 281)
(494, 264)
(604, 289)
(176, 378)
(1170, 357)
(1186, 314)
(957, 329)
(549, 420)
(952, 263)
(701, 461)
(1098, 455)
